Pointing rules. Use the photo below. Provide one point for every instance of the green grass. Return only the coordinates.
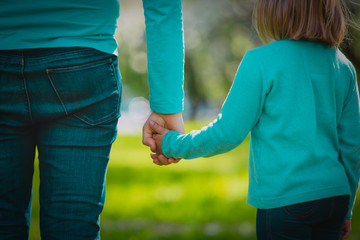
(194, 199)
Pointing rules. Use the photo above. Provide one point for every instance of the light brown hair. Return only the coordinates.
(318, 20)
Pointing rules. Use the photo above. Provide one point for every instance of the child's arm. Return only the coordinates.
(239, 115)
(349, 139)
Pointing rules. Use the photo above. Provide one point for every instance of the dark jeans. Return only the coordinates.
(65, 102)
(317, 220)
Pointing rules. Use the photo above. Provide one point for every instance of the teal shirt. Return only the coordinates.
(300, 103)
(92, 23)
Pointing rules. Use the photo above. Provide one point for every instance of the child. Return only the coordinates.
(298, 98)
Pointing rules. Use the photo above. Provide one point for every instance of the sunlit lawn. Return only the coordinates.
(194, 199)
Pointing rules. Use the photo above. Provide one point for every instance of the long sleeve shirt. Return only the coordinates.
(299, 100)
(92, 23)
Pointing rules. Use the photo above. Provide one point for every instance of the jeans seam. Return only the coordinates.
(332, 208)
(268, 219)
(56, 92)
(346, 202)
(26, 95)
(117, 86)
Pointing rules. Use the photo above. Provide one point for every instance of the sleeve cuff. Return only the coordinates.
(167, 108)
(166, 143)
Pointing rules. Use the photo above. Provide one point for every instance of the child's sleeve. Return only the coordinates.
(349, 139)
(240, 113)
(165, 54)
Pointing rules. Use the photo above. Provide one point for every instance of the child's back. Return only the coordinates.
(300, 102)
(306, 87)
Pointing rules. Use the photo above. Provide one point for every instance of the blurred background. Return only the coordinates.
(196, 199)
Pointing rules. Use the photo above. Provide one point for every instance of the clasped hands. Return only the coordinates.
(156, 126)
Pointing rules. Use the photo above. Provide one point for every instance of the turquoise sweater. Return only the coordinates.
(92, 23)
(300, 103)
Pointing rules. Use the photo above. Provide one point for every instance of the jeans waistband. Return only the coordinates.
(45, 54)
(42, 58)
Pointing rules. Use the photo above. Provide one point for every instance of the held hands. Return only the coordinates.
(154, 130)
(159, 133)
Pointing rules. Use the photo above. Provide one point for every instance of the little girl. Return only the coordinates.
(298, 98)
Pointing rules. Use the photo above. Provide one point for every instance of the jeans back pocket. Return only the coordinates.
(91, 91)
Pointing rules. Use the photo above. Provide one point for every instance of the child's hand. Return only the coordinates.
(158, 135)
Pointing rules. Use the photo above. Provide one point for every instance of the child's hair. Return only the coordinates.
(319, 20)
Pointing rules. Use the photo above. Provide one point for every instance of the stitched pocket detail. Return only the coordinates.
(90, 91)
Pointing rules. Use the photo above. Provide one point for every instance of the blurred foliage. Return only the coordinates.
(216, 39)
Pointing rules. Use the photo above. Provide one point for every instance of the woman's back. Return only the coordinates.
(58, 23)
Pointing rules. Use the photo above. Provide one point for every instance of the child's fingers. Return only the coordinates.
(173, 160)
(157, 138)
(163, 160)
(157, 128)
(157, 162)
(176, 160)
(154, 156)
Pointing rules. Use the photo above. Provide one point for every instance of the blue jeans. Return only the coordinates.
(319, 220)
(64, 102)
